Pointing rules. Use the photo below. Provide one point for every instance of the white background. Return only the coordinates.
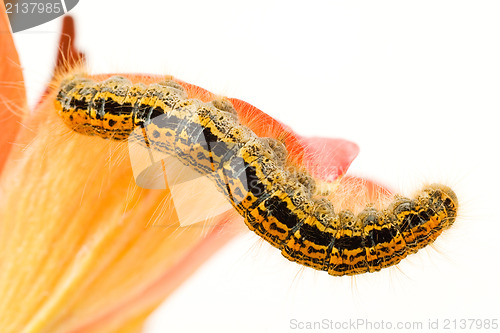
(415, 84)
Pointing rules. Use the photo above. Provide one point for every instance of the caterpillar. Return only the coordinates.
(278, 201)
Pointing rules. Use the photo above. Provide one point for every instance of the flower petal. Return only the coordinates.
(74, 237)
(12, 92)
(68, 55)
(327, 158)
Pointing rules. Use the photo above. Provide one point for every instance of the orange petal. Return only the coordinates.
(68, 55)
(74, 237)
(12, 92)
(327, 159)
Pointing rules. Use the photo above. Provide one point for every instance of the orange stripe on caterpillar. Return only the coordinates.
(278, 200)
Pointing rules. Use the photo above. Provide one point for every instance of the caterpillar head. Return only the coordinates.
(442, 195)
